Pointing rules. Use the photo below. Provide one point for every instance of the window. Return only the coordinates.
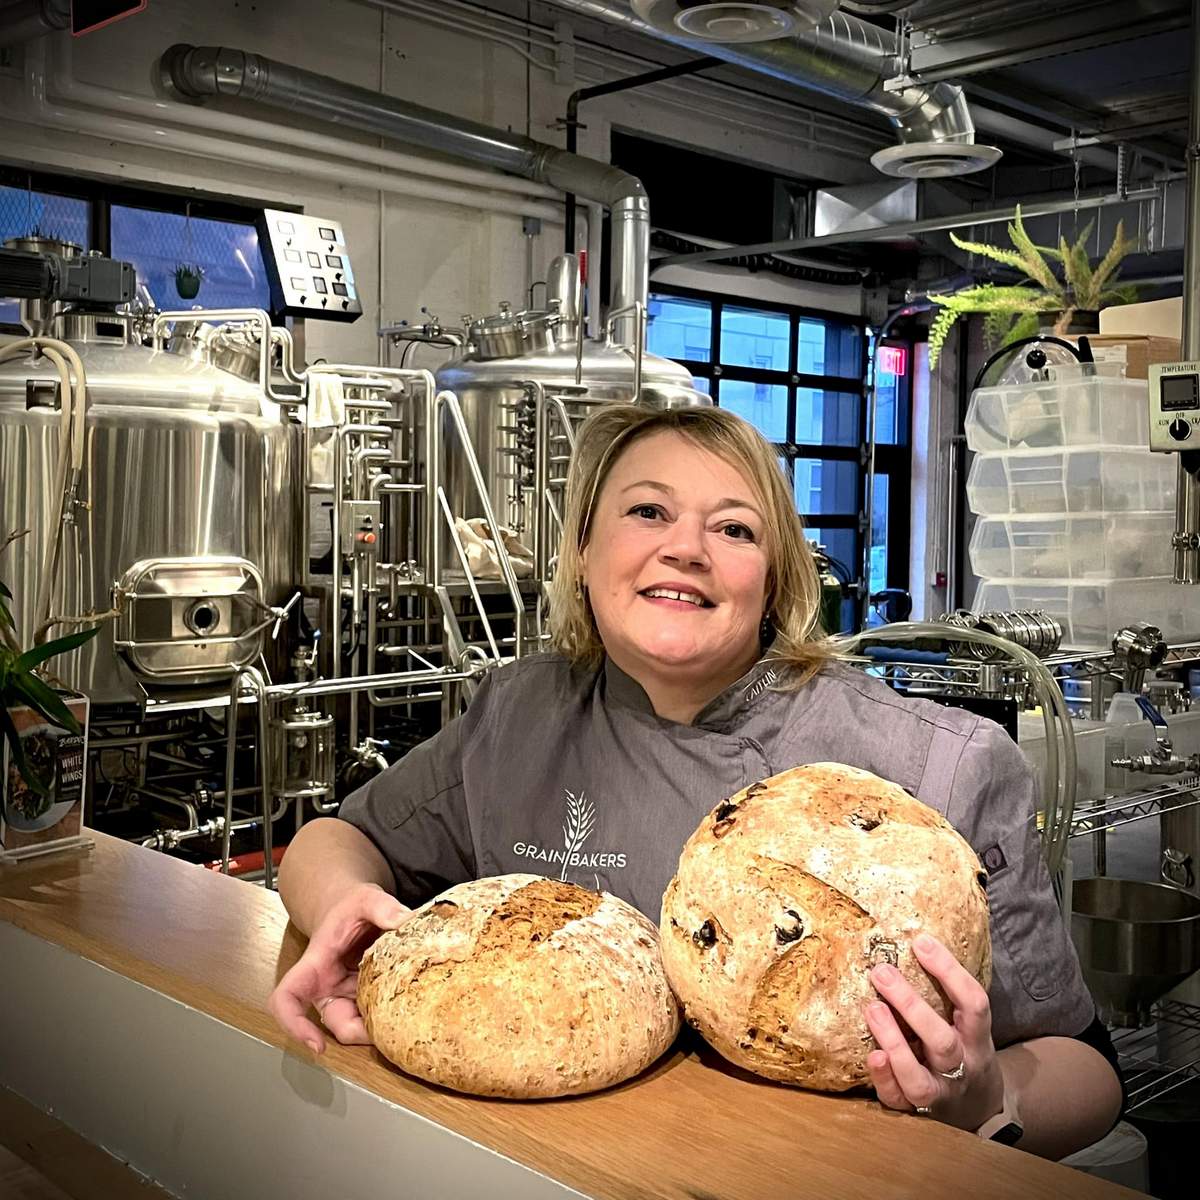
(159, 232)
(801, 378)
(27, 212)
(888, 560)
(165, 246)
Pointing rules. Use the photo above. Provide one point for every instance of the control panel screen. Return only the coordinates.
(1180, 392)
(297, 242)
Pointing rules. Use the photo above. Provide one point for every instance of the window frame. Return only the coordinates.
(892, 460)
(102, 193)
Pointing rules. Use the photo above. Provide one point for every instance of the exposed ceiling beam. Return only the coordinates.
(908, 229)
(1053, 34)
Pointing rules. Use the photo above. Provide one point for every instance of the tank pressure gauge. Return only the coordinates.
(1174, 407)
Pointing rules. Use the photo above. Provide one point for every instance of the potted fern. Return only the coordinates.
(1015, 311)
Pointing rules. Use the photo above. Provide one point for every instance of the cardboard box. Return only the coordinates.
(1150, 318)
(1135, 353)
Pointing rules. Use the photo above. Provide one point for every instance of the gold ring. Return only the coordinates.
(923, 1112)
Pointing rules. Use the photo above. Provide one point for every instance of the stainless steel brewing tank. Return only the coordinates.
(190, 478)
(489, 391)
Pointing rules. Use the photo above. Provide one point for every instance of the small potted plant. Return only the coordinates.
(188, 278)
(22, 687)
(1075, 292)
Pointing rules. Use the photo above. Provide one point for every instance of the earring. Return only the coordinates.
(578, 588)
(766, 631)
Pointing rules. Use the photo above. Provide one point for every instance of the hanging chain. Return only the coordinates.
(1075, 162)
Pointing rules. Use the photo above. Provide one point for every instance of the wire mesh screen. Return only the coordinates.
(186, 261)
(25, 212)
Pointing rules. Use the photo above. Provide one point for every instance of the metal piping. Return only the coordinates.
(843, 57)
(197, 72)
(28, 19)
(1187, 496)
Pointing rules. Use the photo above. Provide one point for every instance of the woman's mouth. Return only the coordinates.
(676, 597)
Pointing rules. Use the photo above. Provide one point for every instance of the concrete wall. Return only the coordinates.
(410, 252)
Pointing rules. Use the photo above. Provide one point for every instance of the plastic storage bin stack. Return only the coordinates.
(1075, 513)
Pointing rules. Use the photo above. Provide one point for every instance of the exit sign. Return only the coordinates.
(893, 360)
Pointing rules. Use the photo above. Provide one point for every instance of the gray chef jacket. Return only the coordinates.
(568, 773)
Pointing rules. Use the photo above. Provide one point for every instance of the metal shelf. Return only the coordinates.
(1113, 811)
(1147, 1076)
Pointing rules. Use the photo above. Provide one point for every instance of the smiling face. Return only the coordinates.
(676, 567)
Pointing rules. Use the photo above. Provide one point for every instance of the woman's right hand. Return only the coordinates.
(325, 976)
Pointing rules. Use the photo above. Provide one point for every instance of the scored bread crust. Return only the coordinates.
(786, 896)
(519, 986)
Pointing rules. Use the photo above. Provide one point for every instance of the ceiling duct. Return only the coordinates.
(729, 22)
(195, 73)
(852, 61)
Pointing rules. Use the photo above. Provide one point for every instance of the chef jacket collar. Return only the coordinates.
(718, 714)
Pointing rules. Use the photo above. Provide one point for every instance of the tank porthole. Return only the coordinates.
(202, 618)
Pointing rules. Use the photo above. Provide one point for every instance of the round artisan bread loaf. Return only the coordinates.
(519, 986)
(788, 894)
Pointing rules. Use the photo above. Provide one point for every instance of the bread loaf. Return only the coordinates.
(519, 986)
(788, 894)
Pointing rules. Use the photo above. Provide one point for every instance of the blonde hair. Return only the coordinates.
(793, 595)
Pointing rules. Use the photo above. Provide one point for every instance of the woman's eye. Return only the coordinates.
(735, 530)
(649, 511)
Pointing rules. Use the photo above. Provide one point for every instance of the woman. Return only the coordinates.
(687, 665)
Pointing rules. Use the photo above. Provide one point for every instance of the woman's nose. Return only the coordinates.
(685, 543)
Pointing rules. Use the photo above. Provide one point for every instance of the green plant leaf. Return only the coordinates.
(1109, 266)
(1010, 258)
(1039, 269)
(939, 330)
(26, 772)
(1078, 270)
(1026, 325)
(39, 654)
(4, 591)
(43, 699)
(986, 297)
(996, 325)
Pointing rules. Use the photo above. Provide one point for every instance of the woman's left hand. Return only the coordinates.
(928, 1080)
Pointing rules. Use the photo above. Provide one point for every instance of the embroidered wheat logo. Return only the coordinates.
(581, 820)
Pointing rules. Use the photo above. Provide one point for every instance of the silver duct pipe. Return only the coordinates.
(844, 57)
(196, 72)
(1187, 496)
(28, 19)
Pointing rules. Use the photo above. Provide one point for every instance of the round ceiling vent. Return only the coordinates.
(934, 160)
(732, 22)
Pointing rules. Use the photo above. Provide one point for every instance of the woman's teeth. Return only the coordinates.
(666, 594)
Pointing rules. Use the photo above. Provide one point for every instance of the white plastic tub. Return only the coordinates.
(1102, 546)
(1088, 479)
(1075, 408)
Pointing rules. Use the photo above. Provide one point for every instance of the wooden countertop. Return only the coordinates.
(692, 1128)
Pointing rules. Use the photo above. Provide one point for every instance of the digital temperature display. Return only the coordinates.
(1180, 392)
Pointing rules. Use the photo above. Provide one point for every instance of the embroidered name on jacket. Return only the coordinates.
(579, 823)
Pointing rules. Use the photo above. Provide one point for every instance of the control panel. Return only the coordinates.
(360, 527)
(1174, 407)
(310, 267)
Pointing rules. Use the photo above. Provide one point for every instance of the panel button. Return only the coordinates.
(1180, 429)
